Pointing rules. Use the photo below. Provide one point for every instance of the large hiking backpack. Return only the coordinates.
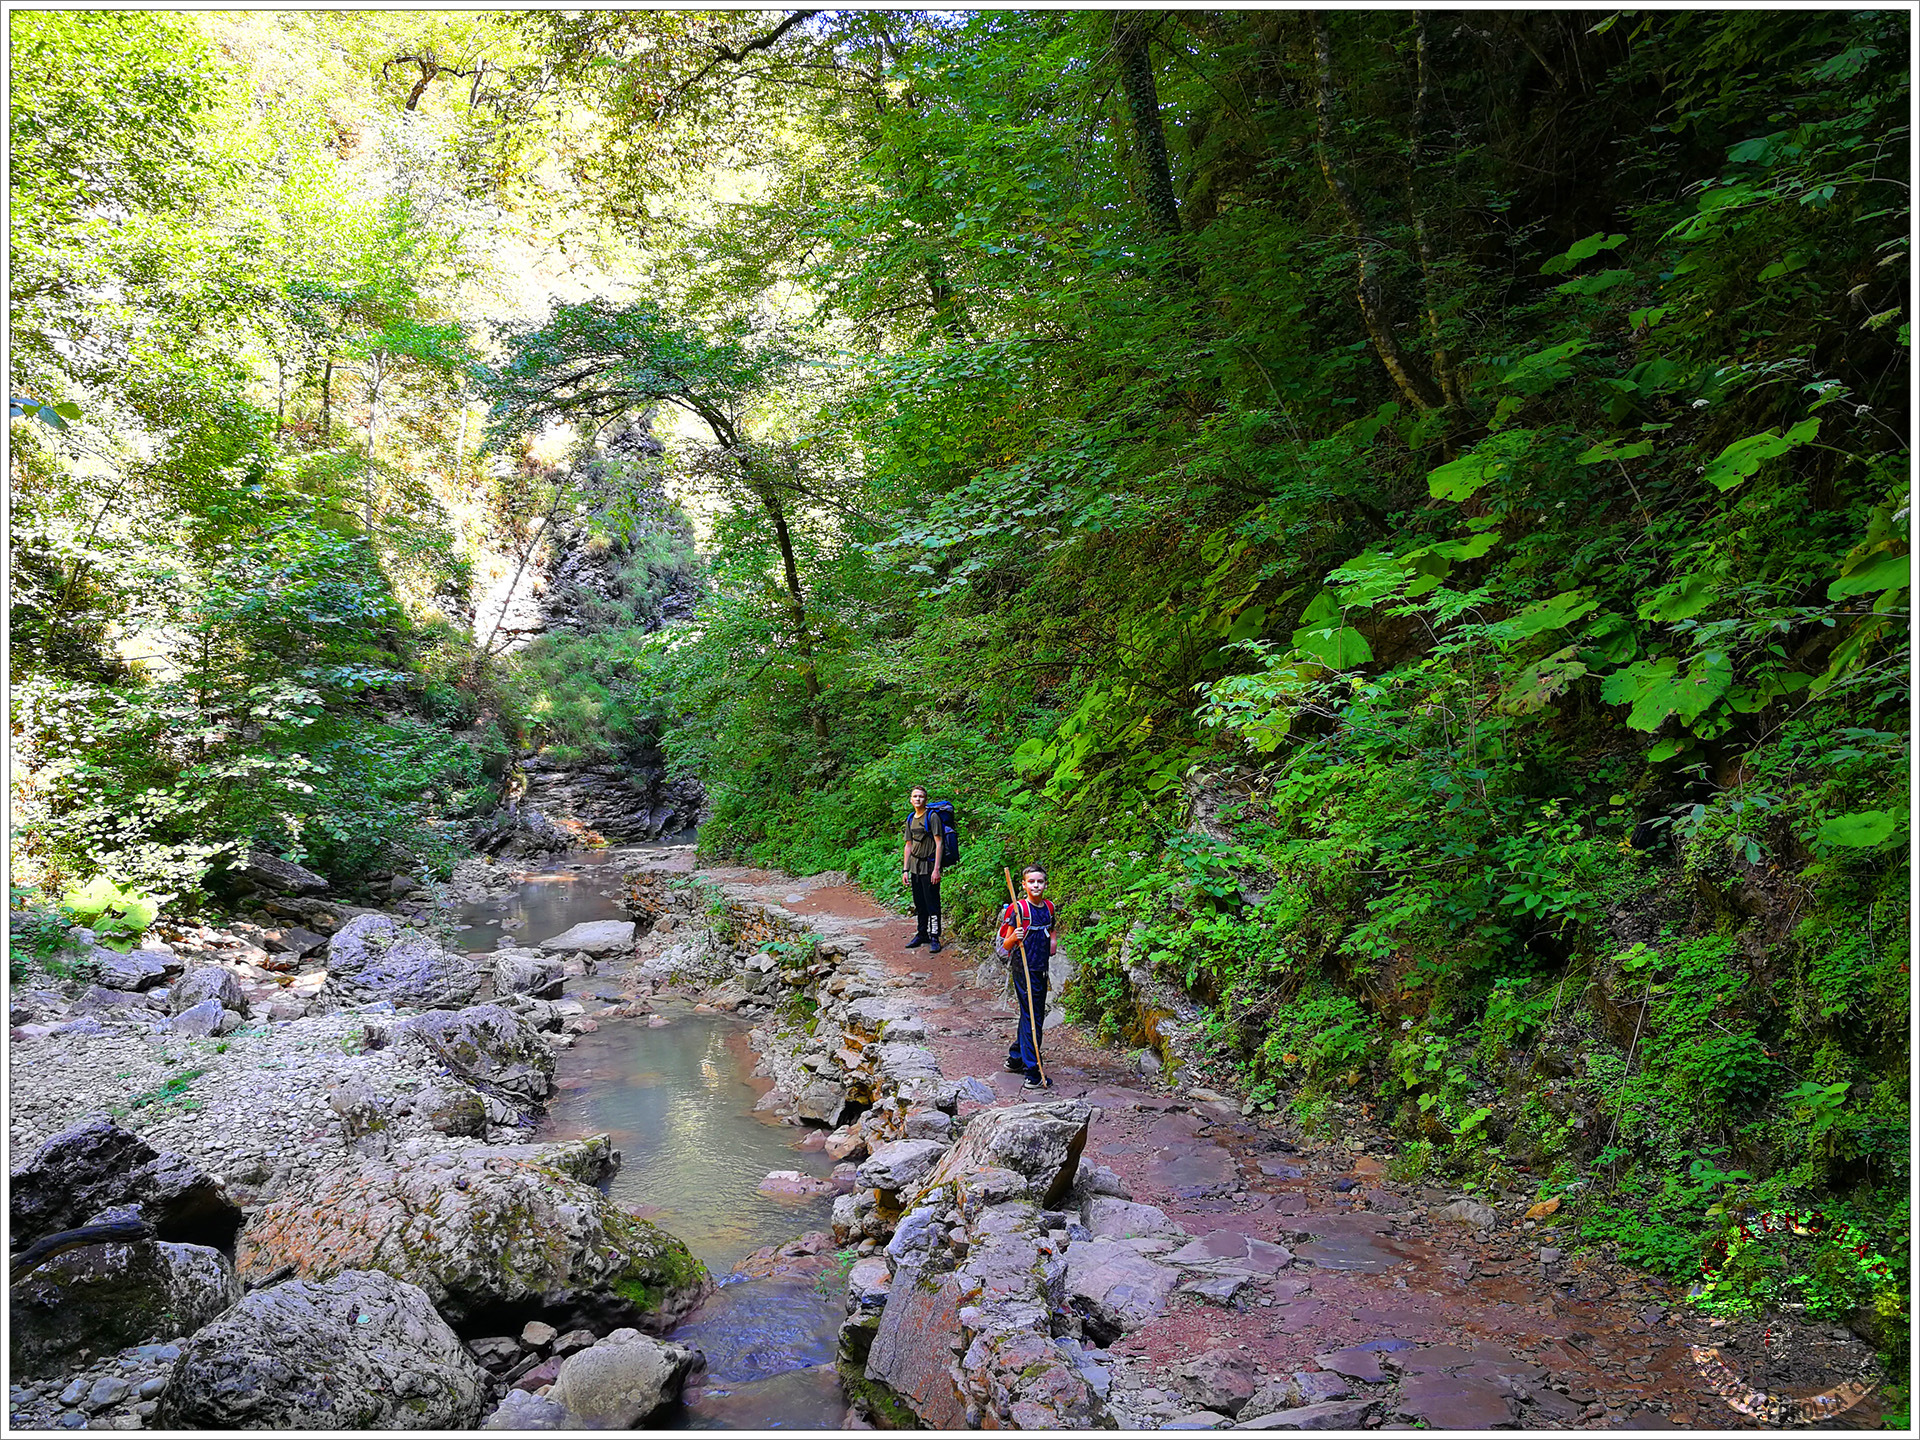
(949, 828)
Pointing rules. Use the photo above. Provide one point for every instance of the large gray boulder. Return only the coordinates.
(524, 1410)
(372, 957)
(520, 972)
(964, 1336)
(489, 1046)
(95, 1166)
(488, 1231)
(616, 1384)
(822, 1100)
(136, 970)
(902, 1063)
(1468, 1211)
(593, 937)
(1117, 1219)
(1220, 1379)
(100, 1000)
(208, 982)
(896, 1166)
(209, 1017)
(283, 877)
(362, 1351)
(99, 1298)
(1041, 1142)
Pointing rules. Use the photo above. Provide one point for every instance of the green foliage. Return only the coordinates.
(37, 934)
(1385, 732)
(1322, 1033)
(169, 1093)
(118, 917)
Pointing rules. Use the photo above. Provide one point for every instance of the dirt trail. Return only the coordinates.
(1441, 1326)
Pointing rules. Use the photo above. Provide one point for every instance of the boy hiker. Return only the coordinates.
(1026, 936)
(920, 861)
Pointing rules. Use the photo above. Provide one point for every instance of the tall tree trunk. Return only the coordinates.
(326, 403)
(376, 386)
(796, 607)
(768, 494)
(376, 382)
(1149, 135)
(559, 494)
(279, 396)
(947, 309)
(1401, 367)
(1444, 371)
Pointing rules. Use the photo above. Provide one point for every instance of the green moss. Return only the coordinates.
(641, 1294)
(887, 1410)
(658, 1264)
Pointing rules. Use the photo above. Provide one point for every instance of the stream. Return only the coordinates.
(678, 1103)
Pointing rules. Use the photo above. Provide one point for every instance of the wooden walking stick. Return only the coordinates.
(1026, 988)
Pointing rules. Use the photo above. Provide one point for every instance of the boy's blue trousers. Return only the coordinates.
(1029, 984)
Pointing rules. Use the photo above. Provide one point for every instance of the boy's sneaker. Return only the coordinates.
(935, 948)
(1033, 1083)
(916, 942)
(1015, 1067)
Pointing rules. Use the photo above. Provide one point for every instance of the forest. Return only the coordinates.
(1404, 513)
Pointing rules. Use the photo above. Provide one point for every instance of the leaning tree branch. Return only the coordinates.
(725, 55)
(430, 70)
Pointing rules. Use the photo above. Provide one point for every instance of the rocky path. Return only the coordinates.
(1319, 1293)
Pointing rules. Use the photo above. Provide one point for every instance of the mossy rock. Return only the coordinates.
(493, 1234)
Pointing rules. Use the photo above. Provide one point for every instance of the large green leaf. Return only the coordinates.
(1324, 636)
(1030, 757)
(1681, 600)
(1493, 458)
(1555, 614)
(1888, 572)
(1743, 457)
(1542, 370)
(1542, 682)
(1614, 450)
(1659, 688)
(1580, 250)
(1341, 647)
(1862, 829)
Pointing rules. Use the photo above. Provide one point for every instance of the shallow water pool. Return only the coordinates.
(678, 1107)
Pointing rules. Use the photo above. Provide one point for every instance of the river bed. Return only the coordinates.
(677, 1101)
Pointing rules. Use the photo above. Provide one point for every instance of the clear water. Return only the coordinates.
(757, 1329)
(554, 898)
(678, 1105)
(679, 1109)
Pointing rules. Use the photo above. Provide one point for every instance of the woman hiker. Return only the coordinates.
(920, 861)
(1027, 931)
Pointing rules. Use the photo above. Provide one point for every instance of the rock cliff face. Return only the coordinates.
(631, 562)
(630, 801)
(627, 563)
